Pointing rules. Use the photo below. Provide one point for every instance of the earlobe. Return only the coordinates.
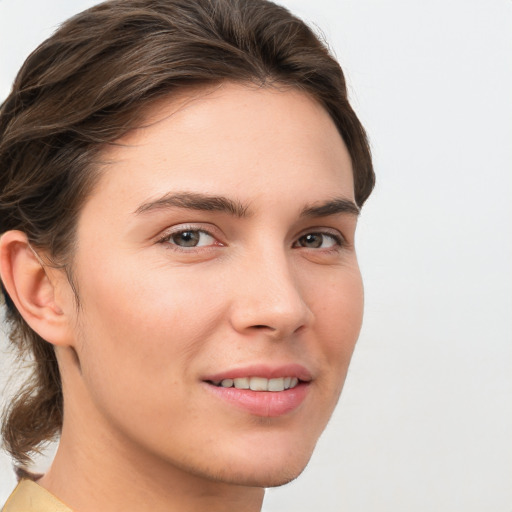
(31, 287)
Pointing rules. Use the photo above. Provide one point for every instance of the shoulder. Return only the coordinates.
(31, 497)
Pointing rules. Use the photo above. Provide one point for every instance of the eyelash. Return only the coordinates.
(167, 239)
(339, 241)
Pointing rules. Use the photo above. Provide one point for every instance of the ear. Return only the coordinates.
(31, 286)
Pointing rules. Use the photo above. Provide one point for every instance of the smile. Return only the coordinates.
(262, 390)
(259, 383)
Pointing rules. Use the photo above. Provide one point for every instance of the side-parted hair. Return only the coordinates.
(89, 84)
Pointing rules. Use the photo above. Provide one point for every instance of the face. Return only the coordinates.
(220, 293)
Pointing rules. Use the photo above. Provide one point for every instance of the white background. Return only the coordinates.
(425, 421)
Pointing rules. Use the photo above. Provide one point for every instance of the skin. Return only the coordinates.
(155, 318)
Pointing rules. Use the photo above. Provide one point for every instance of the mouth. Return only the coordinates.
(258, 383)
(262, 391)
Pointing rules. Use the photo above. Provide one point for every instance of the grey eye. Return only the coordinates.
(317, 241)
(191, 238)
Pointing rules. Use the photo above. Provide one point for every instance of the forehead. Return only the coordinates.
(231, 139)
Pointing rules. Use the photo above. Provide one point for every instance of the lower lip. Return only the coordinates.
(268, 404)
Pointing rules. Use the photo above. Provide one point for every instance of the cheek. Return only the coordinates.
(338, 303)
(140, 338)
(338, 319)
(144, 324)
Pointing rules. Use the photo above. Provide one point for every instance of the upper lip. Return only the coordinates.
(263, 370)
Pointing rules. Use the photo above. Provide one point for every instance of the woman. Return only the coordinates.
(180, 184)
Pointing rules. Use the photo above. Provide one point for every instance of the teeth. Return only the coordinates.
(242, 383)
(260, 383)
(276, 384)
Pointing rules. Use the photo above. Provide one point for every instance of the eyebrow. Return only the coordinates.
(332, 207)
(205, 202)
(195, 201)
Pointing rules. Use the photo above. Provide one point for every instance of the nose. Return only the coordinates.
(269, 298)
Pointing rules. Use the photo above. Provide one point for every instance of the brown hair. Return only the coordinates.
(89, 84)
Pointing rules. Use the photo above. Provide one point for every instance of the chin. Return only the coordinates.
(268, 471)
(258, 477)
(281, 477)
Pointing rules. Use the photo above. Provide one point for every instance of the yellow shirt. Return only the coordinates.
(30, 497)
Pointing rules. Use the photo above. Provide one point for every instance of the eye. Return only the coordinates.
(190, 238)
(318, 241)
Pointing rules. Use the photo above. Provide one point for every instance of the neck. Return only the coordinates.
(98, 468)
(86, 481)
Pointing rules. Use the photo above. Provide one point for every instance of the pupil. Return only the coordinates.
(313, 241)
(187, 238)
